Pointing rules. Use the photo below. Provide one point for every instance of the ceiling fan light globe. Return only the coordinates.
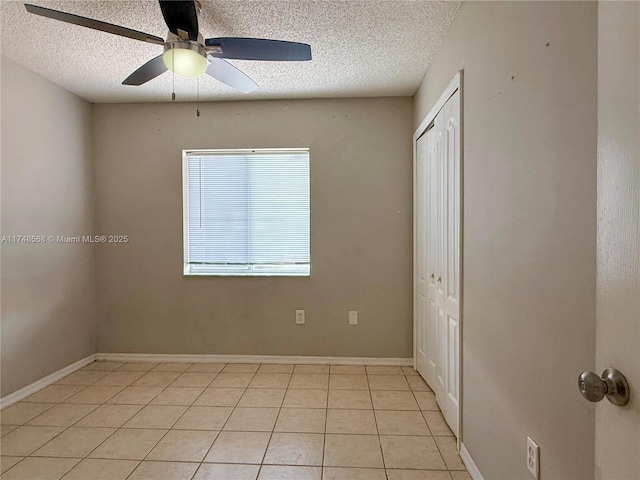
(185, 62)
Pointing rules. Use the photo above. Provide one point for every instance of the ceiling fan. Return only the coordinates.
(186, 52)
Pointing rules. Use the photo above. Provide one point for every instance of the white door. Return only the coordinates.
(437, 251)
(421, 275)
(451, 276)
(428, 303)
(617, 430)
(437, 268)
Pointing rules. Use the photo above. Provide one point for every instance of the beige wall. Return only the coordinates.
(48, 315)
(361, 231)
(530, 72)
(618, 286)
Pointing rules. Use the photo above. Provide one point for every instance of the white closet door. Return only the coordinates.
(438, 213)
(430, 223)
(437, 267)
(421, 275)
(451, 257)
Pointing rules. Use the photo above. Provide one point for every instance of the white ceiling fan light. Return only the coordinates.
(185, 58)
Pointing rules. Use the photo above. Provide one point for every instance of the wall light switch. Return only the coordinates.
(353, 317)
(299, 317)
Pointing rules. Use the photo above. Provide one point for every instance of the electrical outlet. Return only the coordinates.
(299, 317)
(533, 458)
(353, 317)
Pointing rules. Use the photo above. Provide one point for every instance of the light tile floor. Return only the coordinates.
(181, 421)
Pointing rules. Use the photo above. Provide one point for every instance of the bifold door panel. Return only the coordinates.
(437, 259)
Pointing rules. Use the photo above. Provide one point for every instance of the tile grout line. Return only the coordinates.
(65, 428)
(413, 392)
(375, 418)
(233, 409)
(122, 426)
(169, 429)
(326, 418)
(186, 410)
(19, 462)
(274, 423)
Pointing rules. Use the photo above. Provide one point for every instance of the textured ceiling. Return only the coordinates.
(360, 48)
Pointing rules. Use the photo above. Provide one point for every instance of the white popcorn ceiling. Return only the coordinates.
(360, 48)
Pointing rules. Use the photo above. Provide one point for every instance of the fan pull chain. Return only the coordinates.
(173, 77)
(197, 97)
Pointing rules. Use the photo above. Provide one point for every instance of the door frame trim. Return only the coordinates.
(454, 85)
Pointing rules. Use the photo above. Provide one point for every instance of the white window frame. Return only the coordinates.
(253, 271)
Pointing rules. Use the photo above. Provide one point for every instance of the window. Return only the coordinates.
(246, 212)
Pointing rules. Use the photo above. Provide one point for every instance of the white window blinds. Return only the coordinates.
(246, 212)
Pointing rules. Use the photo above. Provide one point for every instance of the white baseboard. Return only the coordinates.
(472, 468)
(208, 358)
(24, 392)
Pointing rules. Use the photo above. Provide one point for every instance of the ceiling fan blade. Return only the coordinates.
(181, 15)
(259, 49)
(226, 73)
(146, 72)
(95, 24)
